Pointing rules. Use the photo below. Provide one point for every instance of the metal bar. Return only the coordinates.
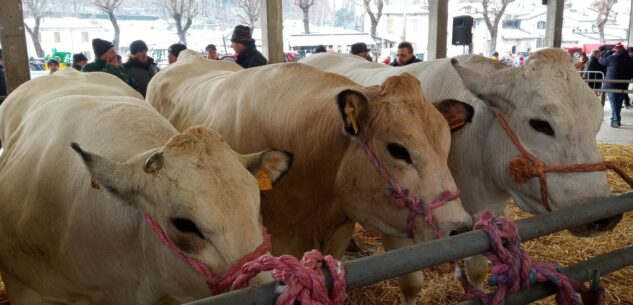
(583, 271)
(375, 268)
(613, 90)
(616, 81)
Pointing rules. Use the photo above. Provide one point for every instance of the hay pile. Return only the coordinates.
(562, 247)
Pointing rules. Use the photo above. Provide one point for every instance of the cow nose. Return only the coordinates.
(605, 224)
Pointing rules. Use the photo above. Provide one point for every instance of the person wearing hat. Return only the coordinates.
(53, 65)
(173, 51)
(139, 66)
(79, 60)
(3, 81)
(619, 66)
(244, 45)
(212, 52)
(360, 49)
(319, 49)
(404, 55)
(106, 61)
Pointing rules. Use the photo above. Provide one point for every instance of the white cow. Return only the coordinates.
(65, 242)
(546, 104)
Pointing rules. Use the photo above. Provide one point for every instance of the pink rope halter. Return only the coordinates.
(513, 269)
(404, 199)
(217, 282)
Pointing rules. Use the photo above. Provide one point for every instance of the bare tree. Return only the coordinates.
(493, 11)
(374, 16)
(603, 7)
(108, 7)
(183, 12)
(305, 5)
(249, 13)
(37, 9)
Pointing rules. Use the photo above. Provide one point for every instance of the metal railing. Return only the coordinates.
(379, 267)
(585, 76)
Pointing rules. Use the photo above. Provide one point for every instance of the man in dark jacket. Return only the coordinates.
(592, 68)
(244, 46)
(405, 55)
(3, 80)
(106, 61)
(140, 67)
(360, 49)
(79, 60)
(619, 66)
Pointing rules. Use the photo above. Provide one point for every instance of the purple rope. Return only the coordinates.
(514, 270)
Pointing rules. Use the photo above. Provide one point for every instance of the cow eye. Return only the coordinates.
(542, 126)
(399, 152)
(186, 226)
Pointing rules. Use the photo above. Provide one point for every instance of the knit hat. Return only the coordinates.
(241, 34)
(138, 46)
(358, 48)
(79, 57)
(100, 46)
(176, 48)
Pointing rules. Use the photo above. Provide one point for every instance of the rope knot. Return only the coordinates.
(523, 168)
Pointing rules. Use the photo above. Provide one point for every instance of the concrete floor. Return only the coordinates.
(622, 135)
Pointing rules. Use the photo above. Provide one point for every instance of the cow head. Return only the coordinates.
(202, 193)
(556, 118)
(388, 120)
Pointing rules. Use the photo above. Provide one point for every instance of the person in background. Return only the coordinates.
(139, 66)
(405, 55)
(320, 49)
(173, 51)
(244, 45)
(212, 52)
(3, 79)
(106, 61)
(53, 65)
(582, 61)
(627, 99)
(360, 49)
(592, 71)
(495, 56)
(619, 66)
(119, 60)
(79, 60)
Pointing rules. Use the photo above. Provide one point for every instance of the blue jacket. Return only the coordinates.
(619, 66)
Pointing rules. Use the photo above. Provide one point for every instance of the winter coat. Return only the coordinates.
(619, 66)
(413, 59)
(593, 66)
(251, 57)
(119, 71)
(141, 73)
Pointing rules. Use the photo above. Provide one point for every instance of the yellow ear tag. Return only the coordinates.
(264, 181)
(352, 117)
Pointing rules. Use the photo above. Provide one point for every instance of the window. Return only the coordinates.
(540, 25)
(84, 36)
(390, 25)
(57, 37)
(511, 24)
(413, 25)
(540, 42)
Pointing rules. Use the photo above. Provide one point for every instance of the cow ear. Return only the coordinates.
(115, 177)
(354, 108)
(485, 88)
(456, 113)
(268, 166)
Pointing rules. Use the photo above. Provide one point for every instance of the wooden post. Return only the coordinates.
(272, 30)
(438, 20)
(554, 23)
(12, 36)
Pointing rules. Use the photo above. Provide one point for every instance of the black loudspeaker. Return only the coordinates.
(462, 30)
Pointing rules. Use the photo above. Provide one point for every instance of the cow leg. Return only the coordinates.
(476, 270)
(410, 284)
(338, 240)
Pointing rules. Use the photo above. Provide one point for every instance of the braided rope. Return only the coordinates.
(514, 270)
(527, 166)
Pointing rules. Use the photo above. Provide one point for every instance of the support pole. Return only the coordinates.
(13, 39)
(272, 30)
(438, 20)
(554, 23)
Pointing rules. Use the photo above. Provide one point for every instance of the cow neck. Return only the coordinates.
(217, 283)
(404, 198)
(526, 165)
